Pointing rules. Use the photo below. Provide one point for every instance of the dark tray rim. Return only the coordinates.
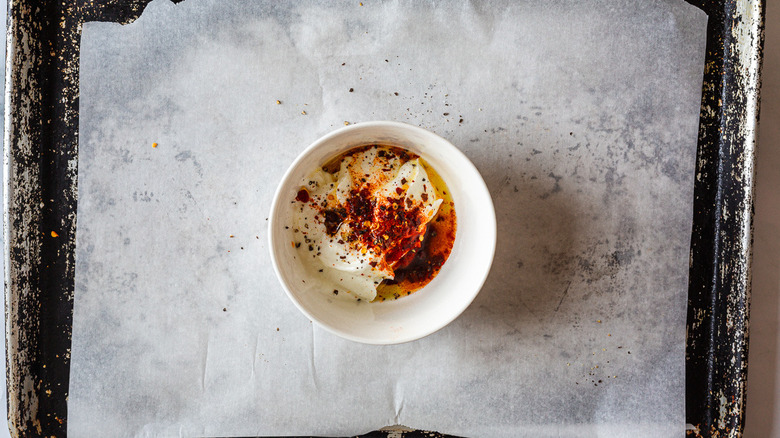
(41, 134)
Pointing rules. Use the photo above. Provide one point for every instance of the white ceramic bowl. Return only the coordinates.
(430, 308)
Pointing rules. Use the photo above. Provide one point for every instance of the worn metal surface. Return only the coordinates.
(40, 200)
(40, 159)
(719, 280)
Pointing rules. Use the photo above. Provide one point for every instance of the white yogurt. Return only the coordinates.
(349, 256)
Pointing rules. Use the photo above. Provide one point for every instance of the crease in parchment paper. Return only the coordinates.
(582, 118)
(313, 359)
(205, 365)
(398, 398)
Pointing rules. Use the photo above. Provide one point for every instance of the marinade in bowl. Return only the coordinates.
(375, 223)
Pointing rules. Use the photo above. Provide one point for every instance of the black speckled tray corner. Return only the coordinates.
(42, 147)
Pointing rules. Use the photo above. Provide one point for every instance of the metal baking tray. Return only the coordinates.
(41, 152)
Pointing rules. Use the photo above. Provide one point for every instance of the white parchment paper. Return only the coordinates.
(581, 116)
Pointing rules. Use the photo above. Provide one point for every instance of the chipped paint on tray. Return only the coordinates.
(41, 137)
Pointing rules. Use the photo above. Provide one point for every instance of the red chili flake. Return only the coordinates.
(303, 196)
(399, 190)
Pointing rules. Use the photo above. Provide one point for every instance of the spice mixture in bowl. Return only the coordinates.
(376, 221)
(382, 232)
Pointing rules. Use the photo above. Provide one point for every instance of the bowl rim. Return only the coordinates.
(480, 188)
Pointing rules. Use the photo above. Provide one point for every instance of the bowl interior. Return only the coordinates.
(431, 307)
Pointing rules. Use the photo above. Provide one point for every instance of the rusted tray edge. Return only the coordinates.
(721, 238)
(41, 143)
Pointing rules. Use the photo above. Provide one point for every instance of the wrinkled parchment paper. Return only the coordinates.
(581, 116)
